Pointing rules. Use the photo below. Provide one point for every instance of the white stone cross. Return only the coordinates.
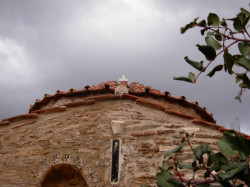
(123, 79)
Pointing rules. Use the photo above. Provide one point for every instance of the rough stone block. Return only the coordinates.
(163, 148)
(191, 130)
(117, 127)
(30, 152)
(44, 143)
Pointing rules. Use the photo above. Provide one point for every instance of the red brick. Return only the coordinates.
(147, 133)
(180, 174)
(4, 123)
(2, 132)
(179, 114)
(143, 149)
(129, 96)
(44, 143)
(104, 97)
(157, 149)
(45, 153)
(23, 125)
(169, 126)
(164, 142)
(149, 103)
(159, 132)
(80, 103)
(51, 110)
(20, 117)
(202, 122)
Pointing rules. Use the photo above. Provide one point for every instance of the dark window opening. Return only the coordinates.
(115, 161)
(63, 175)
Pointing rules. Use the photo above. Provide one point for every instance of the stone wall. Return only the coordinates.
(82, 137)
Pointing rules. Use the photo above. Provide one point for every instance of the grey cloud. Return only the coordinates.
(68, 47)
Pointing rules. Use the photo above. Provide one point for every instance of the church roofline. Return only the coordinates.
(106, 91)
(135, 89)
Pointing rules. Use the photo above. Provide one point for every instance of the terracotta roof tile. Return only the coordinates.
(135, 89)
(20, 117)
(4, 123)
(59, 92)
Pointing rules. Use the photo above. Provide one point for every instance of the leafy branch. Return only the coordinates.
(229, 167)
(219, 38)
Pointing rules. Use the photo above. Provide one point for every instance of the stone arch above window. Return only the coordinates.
(63, 175)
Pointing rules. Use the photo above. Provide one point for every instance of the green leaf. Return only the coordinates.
(203, 31)
(208, 172)
(245, 80)
(244, 49)
(212, 42)
(223, 22)
(175, 183)
(238, 96)
(163, 176)
(189, 26)
(229, 62)
(245, 11)
(216, 68)
(209, 33)
(218, 36)
(208, 51)
(230, 174)
(213, 19)
(165, 165)
(190, 78)
(200, 151)
(176, 149)
(218, 159)
(237, 25)
(196, 65)
(202, 23)
(145, 185)
(244, 62)
(230, 165)
(226, 149)
(246, 21)
(243, 19)
(237, 142)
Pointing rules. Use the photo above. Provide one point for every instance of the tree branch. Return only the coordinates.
(214, 59)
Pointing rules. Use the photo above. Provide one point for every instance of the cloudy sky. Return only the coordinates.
(46, 45)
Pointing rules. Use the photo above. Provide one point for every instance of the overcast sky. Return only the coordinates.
(47, 45)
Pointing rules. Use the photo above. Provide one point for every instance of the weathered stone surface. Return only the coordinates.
(163, 148)
(44, 143)
(146, 133)
(190, 130)
(208, 135)
(30, 152)
(82, 136)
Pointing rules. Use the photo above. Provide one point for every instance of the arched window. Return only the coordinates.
(63, 175)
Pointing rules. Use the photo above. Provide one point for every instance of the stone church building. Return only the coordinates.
(111, 134)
